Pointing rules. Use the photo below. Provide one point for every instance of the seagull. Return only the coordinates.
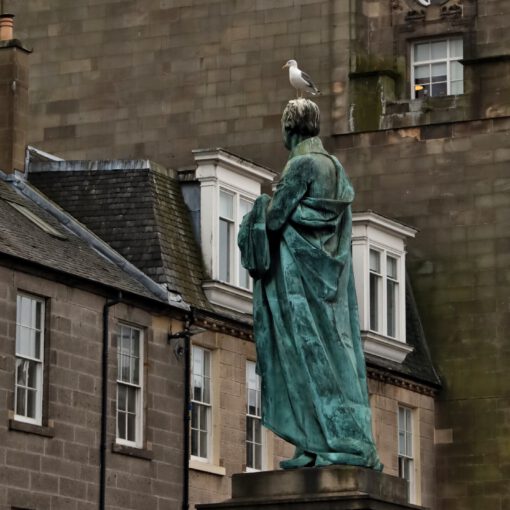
(300, 80)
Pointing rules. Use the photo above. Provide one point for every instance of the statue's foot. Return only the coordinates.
(305, 459)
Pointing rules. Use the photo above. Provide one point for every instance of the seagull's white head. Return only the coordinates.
(290, 63)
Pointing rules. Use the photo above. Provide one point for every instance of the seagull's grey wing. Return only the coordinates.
(308, 79)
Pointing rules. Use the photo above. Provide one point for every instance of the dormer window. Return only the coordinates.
(378, 247)
(229, 186)
(233, 207)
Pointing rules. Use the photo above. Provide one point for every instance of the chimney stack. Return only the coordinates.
(13, 97)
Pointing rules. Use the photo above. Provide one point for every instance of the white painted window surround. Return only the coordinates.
(228, 186)
(28, 394)
(378, 254)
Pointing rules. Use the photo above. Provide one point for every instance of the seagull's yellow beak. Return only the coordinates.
(284, 66)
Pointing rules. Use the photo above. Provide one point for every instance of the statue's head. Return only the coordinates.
(300, 120)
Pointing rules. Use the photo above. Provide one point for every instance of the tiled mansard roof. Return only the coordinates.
(137, 208)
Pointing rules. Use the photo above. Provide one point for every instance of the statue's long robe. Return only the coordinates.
(297, 246)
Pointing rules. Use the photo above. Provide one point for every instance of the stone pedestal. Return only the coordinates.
(328, 488)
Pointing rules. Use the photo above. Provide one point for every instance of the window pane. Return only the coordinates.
(226, 205)
(33, 369)
(31, 403)
(401, 418)
(244, 277)
(374, 302)
(391, 267)
(225, 247)
(194, 442)
(121, 425)
(131, 400)
(422, 74)
(249, 455)
(131, 427)
(375, 261)
(456, 71)
(391, 307)
(456, 49)
(409, 445)
(121, 397)
(258, 457)
(439, 89)
(457, 87)
(258, 431)
(438, 72)
(20, 401)
(249, 429)
(203, 444)
(21, 372)
(438, 50)
(401, 443)
(421, 52)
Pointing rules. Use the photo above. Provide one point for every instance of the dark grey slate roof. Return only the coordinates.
(67, 253)
(418, 364)
(137, 208)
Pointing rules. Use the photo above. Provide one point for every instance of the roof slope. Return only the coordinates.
(137, 208)
(22, 238)
(418, 364)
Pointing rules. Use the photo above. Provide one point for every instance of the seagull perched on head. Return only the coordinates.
(300, 80)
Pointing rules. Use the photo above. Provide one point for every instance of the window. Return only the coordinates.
(229, 186)
(384, 293)
(28, 394)
(254, 431)
(201, 403)
(405, 448)
(129, 386)
(232, 209)
(436, 69)
(378, 261)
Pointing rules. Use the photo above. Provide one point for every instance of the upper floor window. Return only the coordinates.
(378, 254)
(436, 68)
(229, 186)
(201, 403)
(254, 431)
(28, 394)
(233, 207)
(405, 448)
(130, 386)
(384, 292)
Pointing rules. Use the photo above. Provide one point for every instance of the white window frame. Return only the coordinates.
(131, 385)
(255, 420)
(235, 269)
(21, 357)
(204, 402)
(448, 59)
(382, 309)
(370, 231)
(406, 447)
(218, 169)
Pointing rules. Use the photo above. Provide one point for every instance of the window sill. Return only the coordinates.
(30, 428)
(229, 296)
(384, 347)
(131, 451)
(197, 465)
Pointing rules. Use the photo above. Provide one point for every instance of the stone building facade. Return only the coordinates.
(158, 79)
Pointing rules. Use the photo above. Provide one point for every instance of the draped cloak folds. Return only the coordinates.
(297, 247)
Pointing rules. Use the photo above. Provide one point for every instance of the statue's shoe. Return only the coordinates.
(304, 459)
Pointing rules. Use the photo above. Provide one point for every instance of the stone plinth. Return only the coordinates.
(328, 488)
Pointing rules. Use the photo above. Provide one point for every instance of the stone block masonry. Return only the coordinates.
(56, 466)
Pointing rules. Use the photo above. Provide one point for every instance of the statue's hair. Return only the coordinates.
(301, 116)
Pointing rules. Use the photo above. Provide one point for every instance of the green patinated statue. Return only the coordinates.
(297, 247)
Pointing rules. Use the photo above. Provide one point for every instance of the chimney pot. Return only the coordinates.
(6, 27)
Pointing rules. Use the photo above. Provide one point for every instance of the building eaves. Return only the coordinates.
(127, 272)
